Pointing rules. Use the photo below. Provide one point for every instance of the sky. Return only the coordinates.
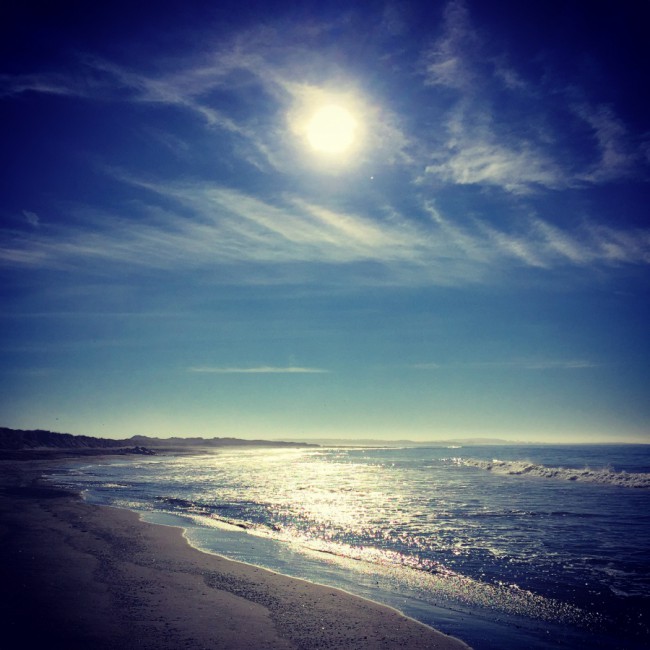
(185, 248)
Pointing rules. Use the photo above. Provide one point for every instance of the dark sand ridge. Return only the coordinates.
(76, 575)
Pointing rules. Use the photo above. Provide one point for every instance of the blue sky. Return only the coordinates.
(177, 258)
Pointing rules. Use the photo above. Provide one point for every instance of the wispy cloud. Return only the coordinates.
(523, 364)
(426, 366)
(258, 370)
(476, 149)
(245, 66)
(98, 79)
(32, 218)
(527, 150)
(617, 156)
(202, 226)
(476, 157)
(448, 62)
(49, 83)
(531, 149)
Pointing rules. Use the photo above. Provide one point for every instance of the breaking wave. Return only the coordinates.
(605, 476)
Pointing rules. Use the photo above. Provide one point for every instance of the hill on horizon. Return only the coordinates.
(20, 439)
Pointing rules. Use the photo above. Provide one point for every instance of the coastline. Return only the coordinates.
(82, 574)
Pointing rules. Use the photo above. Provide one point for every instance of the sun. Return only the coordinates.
(331, 129)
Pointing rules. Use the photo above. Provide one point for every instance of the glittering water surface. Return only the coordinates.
(532, 538)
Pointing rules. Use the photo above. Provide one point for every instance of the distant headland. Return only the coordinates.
(40, 443)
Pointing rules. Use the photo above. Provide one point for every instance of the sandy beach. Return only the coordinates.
(77, 575)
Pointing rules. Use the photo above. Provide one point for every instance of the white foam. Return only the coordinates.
(606, 476)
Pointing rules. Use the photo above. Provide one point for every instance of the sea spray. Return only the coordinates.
(606, 476)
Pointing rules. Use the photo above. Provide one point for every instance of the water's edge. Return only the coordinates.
(431, 593)
(478, 628)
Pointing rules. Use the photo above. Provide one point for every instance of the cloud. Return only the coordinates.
(523, 364)
(447, 62)
(476, 148)
(94, 78)
(183, 88)
(477, 158)
(32, 218)
(296, 236)
(277, 66)
(288, 238)
(497, 128)
(50, 83)
(259, 370)
(617, 156)
(517, 134)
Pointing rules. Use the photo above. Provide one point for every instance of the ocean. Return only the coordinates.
(531, 547)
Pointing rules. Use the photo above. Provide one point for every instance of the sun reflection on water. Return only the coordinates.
(438, 529)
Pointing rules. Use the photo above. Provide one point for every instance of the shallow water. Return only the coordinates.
(502, 546)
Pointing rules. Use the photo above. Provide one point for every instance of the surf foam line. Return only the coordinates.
(605, 476)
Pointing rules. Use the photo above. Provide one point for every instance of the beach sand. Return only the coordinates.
(76, 575)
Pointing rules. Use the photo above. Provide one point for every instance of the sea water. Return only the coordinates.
(503, 546)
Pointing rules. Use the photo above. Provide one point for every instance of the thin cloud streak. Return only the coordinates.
(259, 370)
(551, 364)
(192, 226)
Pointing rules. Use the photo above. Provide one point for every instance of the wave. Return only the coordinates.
(605, 476)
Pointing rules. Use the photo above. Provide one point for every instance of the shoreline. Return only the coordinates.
(84, 573)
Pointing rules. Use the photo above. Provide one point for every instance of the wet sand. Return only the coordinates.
(77, 575)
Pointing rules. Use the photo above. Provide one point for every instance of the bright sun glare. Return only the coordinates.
(331, 129)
